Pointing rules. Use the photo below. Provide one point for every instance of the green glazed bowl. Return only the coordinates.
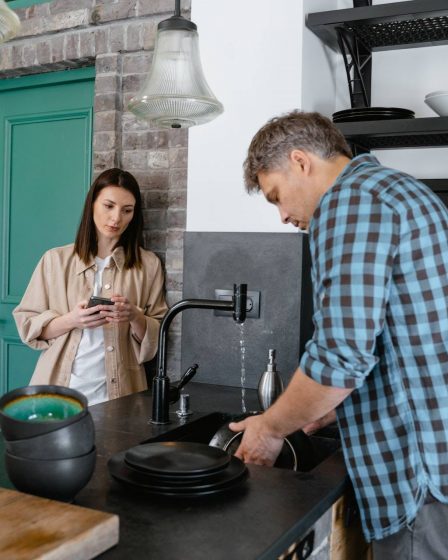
(39, 409)
(44, 407)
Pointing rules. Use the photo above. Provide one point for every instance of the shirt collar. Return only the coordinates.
(356, 164)
(117, 257)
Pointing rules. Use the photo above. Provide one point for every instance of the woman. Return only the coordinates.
(97, 350)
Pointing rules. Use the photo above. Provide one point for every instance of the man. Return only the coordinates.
(379, 353)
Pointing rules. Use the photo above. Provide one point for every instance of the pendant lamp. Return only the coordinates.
(9, 23)
(175, 93)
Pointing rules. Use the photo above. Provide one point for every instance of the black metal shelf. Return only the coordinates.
(437, 185)
(414, 23)
(396, 133)
(356, 33)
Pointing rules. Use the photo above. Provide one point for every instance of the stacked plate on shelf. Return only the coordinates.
(183, 469)
(372, 114)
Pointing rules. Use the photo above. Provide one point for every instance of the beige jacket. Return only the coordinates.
(59, 282)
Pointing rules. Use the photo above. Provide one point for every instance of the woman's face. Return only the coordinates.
(113, 210)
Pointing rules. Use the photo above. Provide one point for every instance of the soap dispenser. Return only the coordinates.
(270, 385)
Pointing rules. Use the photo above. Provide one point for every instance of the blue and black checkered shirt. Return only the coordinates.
(379, 247)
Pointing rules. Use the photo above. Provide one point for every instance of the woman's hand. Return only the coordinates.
(83, 317)
(124, 311)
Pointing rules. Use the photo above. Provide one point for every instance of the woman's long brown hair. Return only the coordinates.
(86, 243)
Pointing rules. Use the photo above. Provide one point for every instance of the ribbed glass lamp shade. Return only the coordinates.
(175, 93)
(9, 23)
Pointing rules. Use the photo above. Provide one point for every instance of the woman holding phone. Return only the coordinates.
(97, 346)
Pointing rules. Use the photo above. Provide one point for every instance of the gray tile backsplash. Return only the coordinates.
(276, 265)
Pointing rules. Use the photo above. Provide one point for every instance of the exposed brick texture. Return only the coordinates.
(118, 38)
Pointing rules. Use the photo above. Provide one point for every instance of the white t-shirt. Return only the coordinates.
(89, 372)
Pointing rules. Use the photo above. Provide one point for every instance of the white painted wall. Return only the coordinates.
(251, 54)
(265, 62)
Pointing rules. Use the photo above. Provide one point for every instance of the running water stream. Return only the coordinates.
(243, 367)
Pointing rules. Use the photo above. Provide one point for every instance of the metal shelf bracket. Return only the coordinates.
(358, 67)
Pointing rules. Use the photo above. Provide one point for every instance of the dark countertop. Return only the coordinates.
(258, 520)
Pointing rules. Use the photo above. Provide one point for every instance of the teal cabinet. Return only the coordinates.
(45, 160)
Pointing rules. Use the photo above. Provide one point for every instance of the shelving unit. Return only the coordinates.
(415, 23)
(396, 133)
(359, 31)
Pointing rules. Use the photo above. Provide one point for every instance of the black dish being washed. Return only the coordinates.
(296, 453)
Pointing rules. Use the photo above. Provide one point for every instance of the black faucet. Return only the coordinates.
(161, 382)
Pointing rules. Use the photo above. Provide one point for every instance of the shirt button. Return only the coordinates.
(107, 286)
(113, 380)
(110, 348)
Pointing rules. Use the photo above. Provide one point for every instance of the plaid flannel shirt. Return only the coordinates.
(379, 246)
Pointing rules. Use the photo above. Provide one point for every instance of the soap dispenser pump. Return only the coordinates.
(270, 385)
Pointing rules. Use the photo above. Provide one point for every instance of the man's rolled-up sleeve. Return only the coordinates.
(353, 242)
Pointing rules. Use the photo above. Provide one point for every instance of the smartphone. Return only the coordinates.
(95, 300)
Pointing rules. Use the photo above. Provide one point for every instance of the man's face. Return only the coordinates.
(292, 190)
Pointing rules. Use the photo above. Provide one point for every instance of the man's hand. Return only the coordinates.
(260, 444)
(303, 403)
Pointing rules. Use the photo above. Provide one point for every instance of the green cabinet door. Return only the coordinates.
(45, 164)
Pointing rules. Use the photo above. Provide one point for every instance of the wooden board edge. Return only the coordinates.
(101, 538)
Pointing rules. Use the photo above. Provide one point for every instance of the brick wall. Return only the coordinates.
(117, 36)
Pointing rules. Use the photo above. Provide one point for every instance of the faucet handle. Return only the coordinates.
(187, 376)
(174, 390)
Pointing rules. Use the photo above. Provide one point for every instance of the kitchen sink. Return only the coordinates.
(310, 451)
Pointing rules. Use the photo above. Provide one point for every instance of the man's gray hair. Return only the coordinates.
(297, 130)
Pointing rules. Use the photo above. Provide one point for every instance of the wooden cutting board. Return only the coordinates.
(36, 528)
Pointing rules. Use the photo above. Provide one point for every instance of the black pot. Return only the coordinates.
(73, 440)
(59, 479)
(296, 454)
(14, 428)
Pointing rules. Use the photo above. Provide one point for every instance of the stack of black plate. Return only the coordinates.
(372, 114)
(182, 469)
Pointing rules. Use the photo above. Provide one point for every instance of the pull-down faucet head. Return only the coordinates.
(239, 302)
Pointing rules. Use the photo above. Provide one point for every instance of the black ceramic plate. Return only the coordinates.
(355, 110)
(177, 458)
(372, 113)
(235, 473)
(177, 481)
(370, 117)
